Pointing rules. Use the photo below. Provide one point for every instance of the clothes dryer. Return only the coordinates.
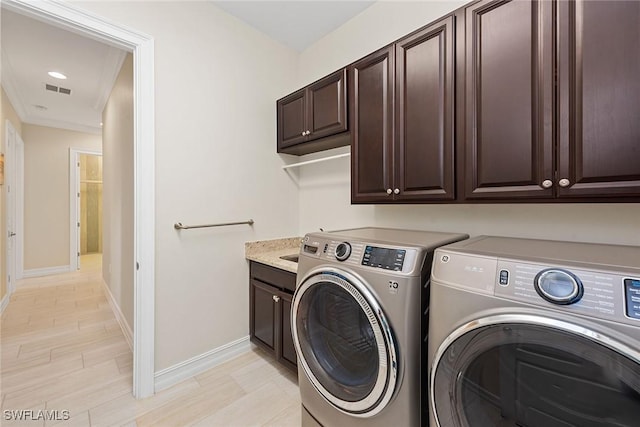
(534, 333)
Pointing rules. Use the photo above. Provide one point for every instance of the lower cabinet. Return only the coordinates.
(270, 295)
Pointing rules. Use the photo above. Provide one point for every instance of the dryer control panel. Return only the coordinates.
(598, 294)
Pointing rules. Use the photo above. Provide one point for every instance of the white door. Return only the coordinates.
(14, 190)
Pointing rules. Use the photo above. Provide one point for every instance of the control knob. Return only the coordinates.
(343, 250)
(558, 286)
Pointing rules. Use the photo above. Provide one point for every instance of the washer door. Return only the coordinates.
(524, 370)
(344, 342)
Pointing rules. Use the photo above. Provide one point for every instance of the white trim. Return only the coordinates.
(5, 302)
(71, 18)
(61, 124)
(122, 321)
(109, 76)
(74, 188)
(11, 88)
(198, 364)
(47, 271)
(19, 208)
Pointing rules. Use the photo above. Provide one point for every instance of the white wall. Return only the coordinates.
(46, 192)
(216, 85)
(329, 182)
(117, 205)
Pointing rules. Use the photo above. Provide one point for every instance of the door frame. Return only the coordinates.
(74, 207)
(14, 183)
(87, 24)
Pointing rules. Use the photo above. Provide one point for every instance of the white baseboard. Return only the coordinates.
(122, 321)
(37, 272)
(5, 302)
(198, 364)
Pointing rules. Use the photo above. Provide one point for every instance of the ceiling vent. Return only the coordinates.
(54, 88)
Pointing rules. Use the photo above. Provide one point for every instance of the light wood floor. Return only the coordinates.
(62, 350)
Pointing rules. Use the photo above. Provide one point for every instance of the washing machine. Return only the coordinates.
(359, 318)
(534, 333)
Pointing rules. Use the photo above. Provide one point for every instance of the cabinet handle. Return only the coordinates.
(396, 191)
(276, 298)
(564, 182)
(303, 133)
(389, 191)
(547, 183)
(307, 132)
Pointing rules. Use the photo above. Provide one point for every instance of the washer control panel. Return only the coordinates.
(632, 297)
(354, 253)
(387, 258)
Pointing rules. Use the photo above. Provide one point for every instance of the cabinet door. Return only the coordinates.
(327, 104)
(371, 114)
(287, 351)
(424, 151)
(599, 93)
(262, 319)
(508, 127)
(291, 112)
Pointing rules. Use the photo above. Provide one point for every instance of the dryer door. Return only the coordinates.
(344, 342)
(511, 370)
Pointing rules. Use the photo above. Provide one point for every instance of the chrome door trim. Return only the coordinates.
(387, 377)
(526, 319)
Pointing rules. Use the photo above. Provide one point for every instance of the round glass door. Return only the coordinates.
(344, 343)
(534, 375)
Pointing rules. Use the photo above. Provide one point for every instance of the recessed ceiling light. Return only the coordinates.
(57, 75)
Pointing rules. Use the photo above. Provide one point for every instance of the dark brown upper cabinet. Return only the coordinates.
(551, 100)
(508, 100)
(371, 110)
(402, 109)
(599, 97)
(314, 118)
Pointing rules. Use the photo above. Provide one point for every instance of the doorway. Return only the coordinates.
(85, 171)
(69, 17)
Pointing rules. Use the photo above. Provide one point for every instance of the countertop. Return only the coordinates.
(269, 252)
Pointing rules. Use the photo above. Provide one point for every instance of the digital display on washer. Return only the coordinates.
(389, 259)
(632, 296)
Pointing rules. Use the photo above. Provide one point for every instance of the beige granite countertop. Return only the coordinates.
(269, 252)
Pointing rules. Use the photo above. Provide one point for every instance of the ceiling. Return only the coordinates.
(297, 24)
(31, 48)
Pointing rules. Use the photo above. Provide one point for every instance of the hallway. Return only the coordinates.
(63, 350)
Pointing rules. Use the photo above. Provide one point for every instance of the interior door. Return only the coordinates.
(13, 176)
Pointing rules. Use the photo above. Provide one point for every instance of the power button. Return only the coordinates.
(504, 278)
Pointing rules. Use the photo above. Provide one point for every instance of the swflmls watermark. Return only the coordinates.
(36, 415)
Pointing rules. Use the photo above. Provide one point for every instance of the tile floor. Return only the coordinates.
(62, 350)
